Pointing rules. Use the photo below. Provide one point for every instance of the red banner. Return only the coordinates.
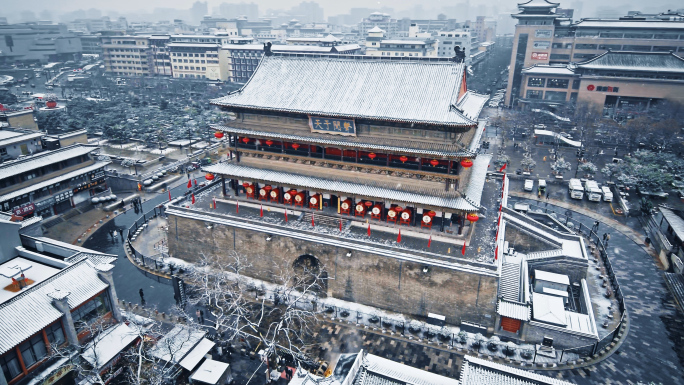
(540, 56)
(24, 210)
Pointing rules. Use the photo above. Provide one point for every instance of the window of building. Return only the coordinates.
(556, 96)
(536, 82)
(668, 36)
(33, 350)
(586, 46)
(534, 94)
(10, 365)
(638, 35)
(613, 35)
(3, 151)
(55, 334)
(91, 310)
(583, 55)
(664, 48)
(557, 83)
(560, 56)
(636, 47)
(614, 47)
(575, 84)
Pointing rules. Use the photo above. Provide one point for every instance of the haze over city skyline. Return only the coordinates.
(157, 9)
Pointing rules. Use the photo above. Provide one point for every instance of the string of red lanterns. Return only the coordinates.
(467, 163)
(209, 177)
(218, 135)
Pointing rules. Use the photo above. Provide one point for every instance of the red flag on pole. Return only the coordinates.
(189, 183)
(169, 194)
(237, 207)
(214, 203)
(340, 225)
(261, 210)
(430, 241)
(503, 167)
(195, 182)
(496, 253)
(399, 236)
(285, 215)
(463, 249)
(312, 220)
(193, 199)
(369, 229)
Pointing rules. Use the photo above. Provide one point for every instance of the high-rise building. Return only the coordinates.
(235, 10)
(543, 36)
(382, 21)
(128, 55)
(449, 40)
(198, 11)
(308, 12)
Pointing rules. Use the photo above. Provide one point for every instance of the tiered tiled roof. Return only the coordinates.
(403, 91)
(635, 61)
(476, 371)
(41, 159)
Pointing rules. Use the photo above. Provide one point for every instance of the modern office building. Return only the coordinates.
(16, 142)
(545, 36)
(449, 40)
(377, 44)
(128, 56)
(618, 85)
(382, 21)
(195, 60)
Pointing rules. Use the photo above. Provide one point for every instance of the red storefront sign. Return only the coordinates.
(540, 56)
(24, 210)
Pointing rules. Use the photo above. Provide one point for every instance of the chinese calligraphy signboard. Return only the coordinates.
(332, 126)
(24, 210)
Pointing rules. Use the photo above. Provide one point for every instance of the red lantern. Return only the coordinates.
(431, 214)
(368, 203)
(472, 217)
(51, 104)
(295, 146)
(403, 158)
(209, 177)
(397, 208)
(372, 155)
(269, 142)
(268, 188)
(467, 163)
(434, 162)
(218, 135)
(245, 140)
(245, 184)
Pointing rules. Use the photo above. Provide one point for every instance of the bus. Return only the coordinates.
(575, 188)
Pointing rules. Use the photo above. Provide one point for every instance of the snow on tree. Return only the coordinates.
(560, 165)
(528, 163)
(588, 168)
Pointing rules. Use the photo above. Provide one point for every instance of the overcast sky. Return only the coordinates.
(12, 8)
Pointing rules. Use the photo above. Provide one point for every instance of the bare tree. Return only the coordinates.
(281, 319)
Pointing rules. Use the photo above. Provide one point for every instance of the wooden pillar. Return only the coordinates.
(282, 146)
(342, 154)
(357, 155)
(322, 152)
(449, 163)
(441, 227)
(420, 164)
(236, 188)
(223, 185)
(413, 217)
(309, 150)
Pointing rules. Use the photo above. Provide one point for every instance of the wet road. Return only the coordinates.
(127, 278)
(653, 350)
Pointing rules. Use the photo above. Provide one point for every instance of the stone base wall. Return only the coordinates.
(365, 278)
(535, 333)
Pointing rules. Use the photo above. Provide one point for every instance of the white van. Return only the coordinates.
(575, 189)
(592, 190)
(529, 184)
(607, 194)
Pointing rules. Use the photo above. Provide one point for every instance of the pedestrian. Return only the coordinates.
(202, 316)
(142, 296)
(547, 195)
(199, 316)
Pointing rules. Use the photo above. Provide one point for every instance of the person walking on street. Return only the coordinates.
(199, 316)
(142, 296)
(547, 195)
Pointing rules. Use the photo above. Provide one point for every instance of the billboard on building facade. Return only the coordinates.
(540, 56)
(332, 125)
